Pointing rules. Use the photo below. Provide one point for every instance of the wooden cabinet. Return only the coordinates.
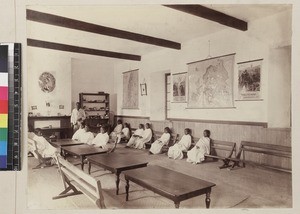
(96, 107)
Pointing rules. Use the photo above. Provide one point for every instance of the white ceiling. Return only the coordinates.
(152, 20)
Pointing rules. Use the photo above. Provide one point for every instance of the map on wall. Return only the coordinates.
(211, 82)
(131, 89)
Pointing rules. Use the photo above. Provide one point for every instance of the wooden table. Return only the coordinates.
(116, 163)
(83, 151)
(168, 183)
(65, 142)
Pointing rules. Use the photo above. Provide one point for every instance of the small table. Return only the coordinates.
(116, 163)
(82, 151)
(168, 183)
(65, 142)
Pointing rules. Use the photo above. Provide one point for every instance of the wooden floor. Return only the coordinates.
(249, 187)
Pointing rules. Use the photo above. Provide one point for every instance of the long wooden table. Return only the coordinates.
(116, 163)
(83, 151)
(65, 142)
(168, 183)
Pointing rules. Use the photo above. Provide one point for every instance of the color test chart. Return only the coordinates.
(10, 105)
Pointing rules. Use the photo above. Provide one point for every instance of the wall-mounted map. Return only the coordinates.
(211, 82)
(131, 89)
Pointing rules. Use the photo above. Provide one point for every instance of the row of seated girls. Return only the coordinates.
(84, 135)
(121, 131)
(141, 136)
(195, 155)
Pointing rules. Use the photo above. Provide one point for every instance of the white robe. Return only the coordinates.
(76, 115)
(117, 130)
(124, 134)
(86, 137)
(133, 138)
(202, 147)
(159, 143)
(43, 147)
(77, 134)
(146, 137)
(184, 144)
(101, 140)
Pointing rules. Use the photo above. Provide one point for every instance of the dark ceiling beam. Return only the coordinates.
(212, 15)
(98, 29)
(81, 50)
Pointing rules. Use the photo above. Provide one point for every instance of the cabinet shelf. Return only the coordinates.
(95, 100)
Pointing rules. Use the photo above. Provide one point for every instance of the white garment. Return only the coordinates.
(159, 143)
(101, 140)
(76, 115)
(44, 147)
(125, 133)
(116, 132)
(86, 137)
(202, 147)
(184, 144)
(146, 137)
(134, 137)
(77, 134)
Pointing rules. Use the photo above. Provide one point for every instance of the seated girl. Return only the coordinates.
(196, 154)
(101, 139)
(146, 137)
(117, 130)
(79, 132)
(38, 145)
(157, 146)
(85, 136)
(125, 133)
(136, 135)
(184, 144)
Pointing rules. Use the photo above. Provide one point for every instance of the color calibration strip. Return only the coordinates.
(10, 105)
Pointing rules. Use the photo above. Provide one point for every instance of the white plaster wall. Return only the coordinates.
(57, 63)
(250, 45)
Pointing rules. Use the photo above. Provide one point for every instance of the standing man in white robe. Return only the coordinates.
(202, 147)
(176, 151)
(160, 142)
(146, 137)
(76, 115)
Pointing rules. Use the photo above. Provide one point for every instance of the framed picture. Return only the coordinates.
(143, 89)
(179, 85)
(131, 89)
(211, 82)
(249, 80)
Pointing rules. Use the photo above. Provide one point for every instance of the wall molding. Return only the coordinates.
(245, 123)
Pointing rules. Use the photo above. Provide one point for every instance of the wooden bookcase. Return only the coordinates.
(96, 107)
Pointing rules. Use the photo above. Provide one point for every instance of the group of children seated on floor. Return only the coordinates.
(139, 138)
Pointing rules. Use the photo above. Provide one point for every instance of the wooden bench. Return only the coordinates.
(219, 150)
(263, 149)
(158, 134)
(79, 182)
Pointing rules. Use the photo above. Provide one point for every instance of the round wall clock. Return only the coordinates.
(47, 82)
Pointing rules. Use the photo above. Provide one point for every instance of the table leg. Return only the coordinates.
(127, 189)
(207, 199)
(82, 164)
(90, 166)
(117, 182)
(177, 205)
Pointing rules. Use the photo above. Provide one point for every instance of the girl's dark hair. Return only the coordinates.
(105, 128)
(142, 126)
(208, 132)
(148, 124)
(188, 131)
(119, 121)
(168, 130)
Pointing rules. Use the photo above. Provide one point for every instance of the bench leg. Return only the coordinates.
(117, 182)
(177, 205)
(65, 193)
(207, 199)
(225, 164)
(127, 189)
